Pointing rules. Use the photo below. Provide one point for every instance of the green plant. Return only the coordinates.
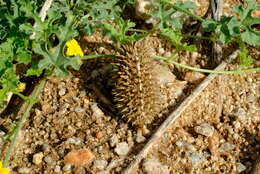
(229, 29)
(46, 55)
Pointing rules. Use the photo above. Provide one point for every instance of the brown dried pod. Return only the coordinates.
(136, 90)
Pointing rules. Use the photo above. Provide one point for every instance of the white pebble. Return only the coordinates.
(37, 158)
(204, 129)
(122, 148)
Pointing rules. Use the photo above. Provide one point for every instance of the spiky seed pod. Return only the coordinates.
(136, 91)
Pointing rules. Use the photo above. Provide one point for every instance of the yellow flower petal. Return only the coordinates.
(21, 87)
(73, 48)
(4, 171)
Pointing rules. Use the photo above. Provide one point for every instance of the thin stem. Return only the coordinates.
(25, 98)
(184, 11)
(137, 30)
(197, 37)
(32, 101)
(208, 70)
(97, 56)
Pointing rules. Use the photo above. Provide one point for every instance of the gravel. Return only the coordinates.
(204, 129)
(240, 167)
(62, 91)
(122, 148)
(57, 169)
(100, 164)
(66, 168)
(139, 137)
(114, 140)
(153, 166)
(196, 159)
(226, 147)
(37, 158)
(48, 160)
(24, 170)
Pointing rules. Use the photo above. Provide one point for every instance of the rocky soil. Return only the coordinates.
(74, 128)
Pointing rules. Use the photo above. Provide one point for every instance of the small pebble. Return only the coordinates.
(97, 112)
(226, 147)
(196, 159)
(62, 91)
(45, 148)
(76, 141)
(194, 77)
(103, 172)
(114, 140)
(57, 169)
(122, 148)
(167, 54)
(240, 167)
(99, 134)
(204, 129)
(37, 158)
(47, 109)
(82, 93)
(186, 145)
(79, 109)
(241, 114)
(66, 168)
(139, 137)
(79, 157)
(24, 170)
(48, 160)
(100, 164)
(153, 166)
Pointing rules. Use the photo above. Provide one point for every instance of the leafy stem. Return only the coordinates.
(207, 70)
(178, 8)
(32, 101)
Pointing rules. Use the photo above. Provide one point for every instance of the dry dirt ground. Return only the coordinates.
(71, 130)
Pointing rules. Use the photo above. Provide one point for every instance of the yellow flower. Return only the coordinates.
(73, 48)
(21, 87)
(3, 170)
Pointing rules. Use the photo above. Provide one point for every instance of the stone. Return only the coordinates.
(100, 164)
(122, 148)
(99, 134)
(153, 166)
(24, 170)
(204, 129)
(66, 168)
(196, 159)
(37, 158)
(79, 109)
(79, 157)
(226, 147)
(114, 140)
(47, 109)
(194, 77)
(187, 146)
(48, 159)
(240, 167)
(73, 140)
(62, 91)
(139, 137)
(57, 169)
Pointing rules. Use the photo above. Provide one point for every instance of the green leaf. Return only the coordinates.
(245, 59)
(250, 38)
(176, 38)
(24, 57)
(209, 25)
(34, 70)
(118, 33)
